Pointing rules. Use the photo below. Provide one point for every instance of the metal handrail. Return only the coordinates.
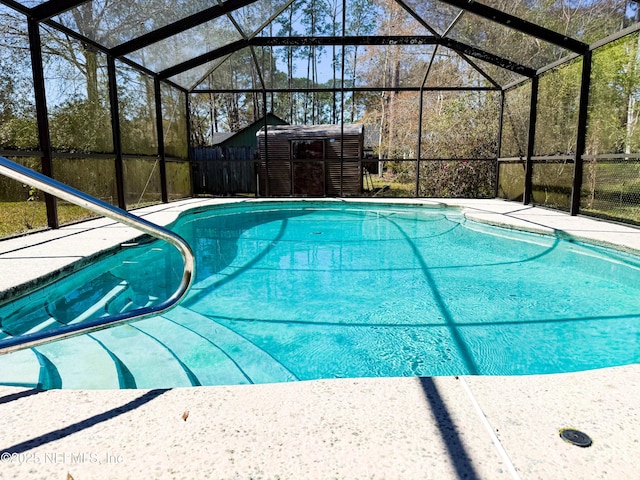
(46, 184)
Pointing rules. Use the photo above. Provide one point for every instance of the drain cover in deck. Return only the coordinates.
(575, 437)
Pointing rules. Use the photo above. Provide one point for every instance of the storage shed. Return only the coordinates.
(227, 166)
(305, 160)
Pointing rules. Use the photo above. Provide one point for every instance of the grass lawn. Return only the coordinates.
(22, 217)
(395, 188)
(624, 212)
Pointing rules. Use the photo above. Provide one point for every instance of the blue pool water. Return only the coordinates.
(300, 291)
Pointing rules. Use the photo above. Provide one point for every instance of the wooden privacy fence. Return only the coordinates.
(223, 170)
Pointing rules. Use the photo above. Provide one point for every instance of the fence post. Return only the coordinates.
(115, 128)
(420, 108)
(499, 149)
(266, 146)
(189, 151)
(533, 114)
(582, 133)
(42, 115)
(160, 134)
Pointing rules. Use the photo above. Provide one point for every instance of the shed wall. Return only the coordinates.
(283, 176)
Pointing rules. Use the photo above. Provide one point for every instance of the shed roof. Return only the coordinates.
(312, 131)
(222, 138)
(218, 138)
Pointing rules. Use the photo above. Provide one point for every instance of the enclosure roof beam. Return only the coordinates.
(179, 26)
(16, 6)
(49, 9)
(349, 40)
(264, 25)
(87, 41)
(292, 42)
(520, 25)
(75, 35)
(488, 57)
(479, 70)
(348, 89)
(204, 58)
(417, 17)
(515, 84)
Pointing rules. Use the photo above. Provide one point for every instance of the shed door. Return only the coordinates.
(307, 157)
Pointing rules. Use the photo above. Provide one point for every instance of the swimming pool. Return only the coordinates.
(306, 290)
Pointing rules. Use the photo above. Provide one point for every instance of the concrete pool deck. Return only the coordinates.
(383, 428)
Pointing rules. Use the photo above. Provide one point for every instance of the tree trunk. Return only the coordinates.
(91, 66)
(353, 81)
(213, 114)
(631, 123)
(393, 99)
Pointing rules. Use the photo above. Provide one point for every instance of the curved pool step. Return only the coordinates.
(74, 363)
(81, 363)
(208, 363)
(87, 300)
(119, 357)
(179, 349)
(99, 309)
(256, 364)
(147, 362)
(20, 368)
(26, 317)
(37, 312)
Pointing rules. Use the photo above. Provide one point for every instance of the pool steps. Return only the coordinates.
(38, 310)
(195, 350)
(153, 353)
(101, 305)
(50, 322)
(80, 363)
(23, 369)
(150, 364)
(258, 365)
